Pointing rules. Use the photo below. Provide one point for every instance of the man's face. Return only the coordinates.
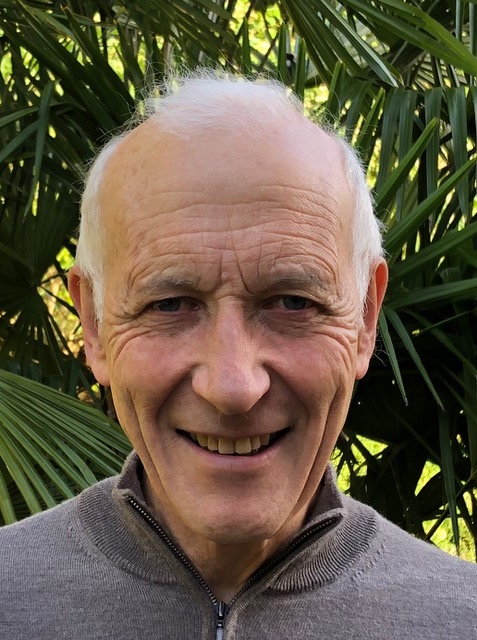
(231, 322)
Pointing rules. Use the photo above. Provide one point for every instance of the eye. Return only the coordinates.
(168, 305)
(294, 303)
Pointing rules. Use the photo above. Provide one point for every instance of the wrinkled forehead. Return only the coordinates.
(153, 173)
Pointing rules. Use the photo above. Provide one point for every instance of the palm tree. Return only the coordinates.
(397, 76)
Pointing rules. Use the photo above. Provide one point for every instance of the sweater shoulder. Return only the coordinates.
(397, 554)
(30, 541)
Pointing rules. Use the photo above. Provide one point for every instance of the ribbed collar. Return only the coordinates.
(116, 529)
(128, 485)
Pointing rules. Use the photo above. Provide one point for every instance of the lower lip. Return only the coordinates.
(234, 462)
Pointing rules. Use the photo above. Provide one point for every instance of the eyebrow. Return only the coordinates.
(304, 280)
(158, 283)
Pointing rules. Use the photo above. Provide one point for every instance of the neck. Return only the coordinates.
(225, 567)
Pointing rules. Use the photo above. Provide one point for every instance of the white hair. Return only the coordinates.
(206, 100)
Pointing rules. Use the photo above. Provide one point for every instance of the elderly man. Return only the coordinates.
(229, 280)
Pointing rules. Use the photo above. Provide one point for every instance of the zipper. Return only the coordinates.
(220, 612)
(308, 536)
(174, 548)
(222, 608)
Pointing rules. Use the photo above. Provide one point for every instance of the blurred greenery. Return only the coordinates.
(398, 78)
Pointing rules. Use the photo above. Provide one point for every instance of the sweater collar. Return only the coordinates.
(328, 500)
(126, 537)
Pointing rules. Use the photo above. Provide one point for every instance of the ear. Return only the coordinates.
(82, 296)
(374, 300)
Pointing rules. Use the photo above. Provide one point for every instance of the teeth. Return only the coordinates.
(256, 443)
(264, 440)
(212, 444)
(202, 440)
(243, 445)
(227, 446)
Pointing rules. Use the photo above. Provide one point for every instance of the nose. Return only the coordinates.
(230, 375)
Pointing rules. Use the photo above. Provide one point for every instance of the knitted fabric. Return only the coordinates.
(94, 567)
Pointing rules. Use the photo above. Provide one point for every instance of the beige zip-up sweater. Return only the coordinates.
(99, 566)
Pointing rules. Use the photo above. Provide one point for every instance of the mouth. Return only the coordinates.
(234, 446)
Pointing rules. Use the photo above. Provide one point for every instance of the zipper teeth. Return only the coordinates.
(255, 577)
(174, 548)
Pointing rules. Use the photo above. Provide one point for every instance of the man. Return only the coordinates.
(229, 280)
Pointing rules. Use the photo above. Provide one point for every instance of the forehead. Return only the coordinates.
(163, 196)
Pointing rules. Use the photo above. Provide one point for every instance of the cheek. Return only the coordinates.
(143, 357)
(321, 367)
(142, 374)
(146, 370)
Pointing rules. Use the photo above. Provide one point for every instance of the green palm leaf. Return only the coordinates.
(51, 445)
(397, 76)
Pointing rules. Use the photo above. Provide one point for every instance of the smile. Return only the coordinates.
(234, 446)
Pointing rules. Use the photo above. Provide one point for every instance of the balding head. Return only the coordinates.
(231, 330)
(203, 110)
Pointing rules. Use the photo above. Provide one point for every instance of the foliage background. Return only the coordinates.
(398, 78)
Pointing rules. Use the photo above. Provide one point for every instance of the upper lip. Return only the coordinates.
(232, 435)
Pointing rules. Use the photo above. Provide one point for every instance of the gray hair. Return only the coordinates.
(206, 100)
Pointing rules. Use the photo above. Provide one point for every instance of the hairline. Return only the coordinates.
(90, 249)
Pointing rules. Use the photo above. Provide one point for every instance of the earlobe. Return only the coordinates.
(374, 299)
(82, 295)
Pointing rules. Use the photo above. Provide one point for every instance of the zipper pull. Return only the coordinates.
(221, 612)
